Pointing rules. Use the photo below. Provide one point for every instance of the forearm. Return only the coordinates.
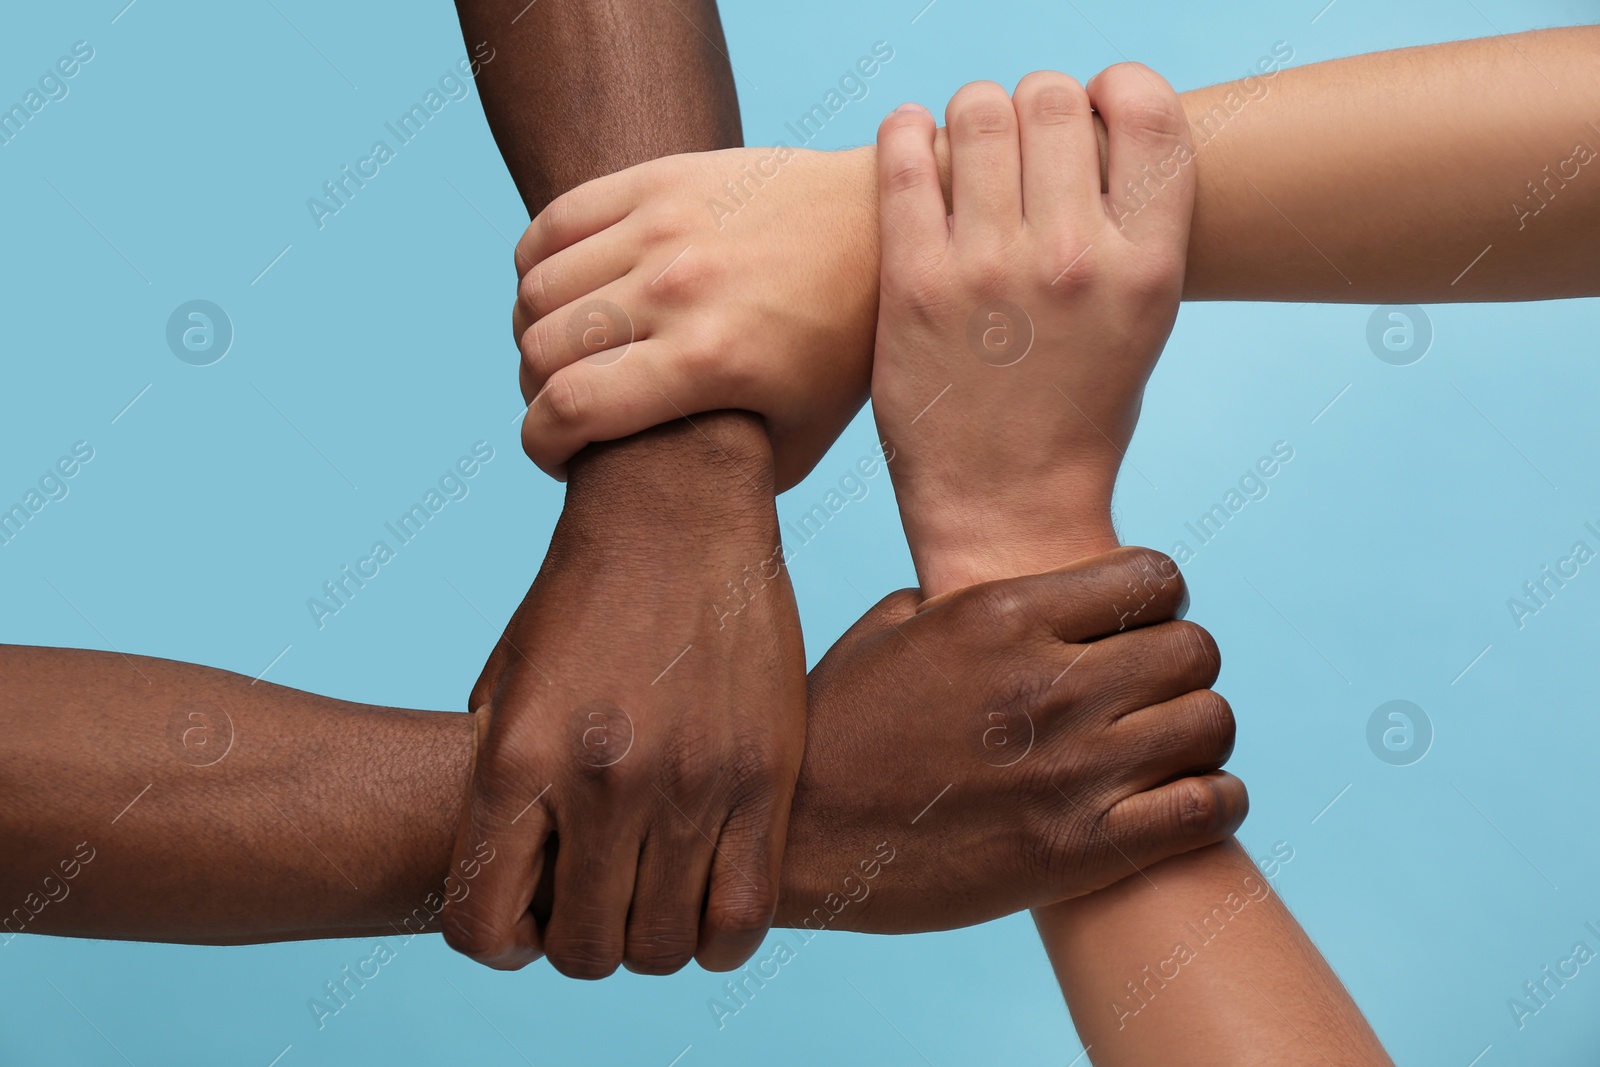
(582, 90)
(1383, 177)
(1200, 961)
(217, 809)
(151, 800)
(1209, 1013)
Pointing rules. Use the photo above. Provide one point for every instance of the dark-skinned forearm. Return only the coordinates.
(580, 90)
(217, 810)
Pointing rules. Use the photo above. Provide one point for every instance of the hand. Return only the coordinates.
(734, 280)
(1016, 336)
(646, 707)
(1006, 748)
(1014, 745)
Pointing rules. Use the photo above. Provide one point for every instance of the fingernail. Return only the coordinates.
(912, 107)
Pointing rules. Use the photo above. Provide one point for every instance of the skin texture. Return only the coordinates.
(674, 852)
(1032, 258)
(1113, 325)
(1357, 180)
(217, 810)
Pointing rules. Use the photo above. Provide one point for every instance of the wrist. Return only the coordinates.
(658, 492)
(981, 541)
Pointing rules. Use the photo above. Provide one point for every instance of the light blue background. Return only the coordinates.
(375, 351)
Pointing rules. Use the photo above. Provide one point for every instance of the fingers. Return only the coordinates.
(595, 873)
(505, 833)
(985, 164)
(1177, 817)
(743, 893)
(595, 400)
(603, 321)
(668, 897)
(575, 215)
(1110, 593)
(1127, 672)
(1192, 734)
(1060, 154)
(1147, 150)
(910, 203)
(571, 274)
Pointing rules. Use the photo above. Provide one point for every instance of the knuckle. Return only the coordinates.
(910, 172)
(533, 290)
(989, 269)
(660, 951)
(558, 217)
(1150, 118)
(900, 122)
(685, 279)
(588, 955)
(468, 933)
(1194, 807)
(535, 348)
(1214, 726)
(983, 109)
(1049, 98)
(744, 915)
(1065, 268)
(1152, 578)
(1195, 650)
(987, 121)
(565, 401)
(998, 606)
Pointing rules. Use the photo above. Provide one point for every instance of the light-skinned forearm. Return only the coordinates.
(1384, 177)
(1199, 962)
(1254, 991)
